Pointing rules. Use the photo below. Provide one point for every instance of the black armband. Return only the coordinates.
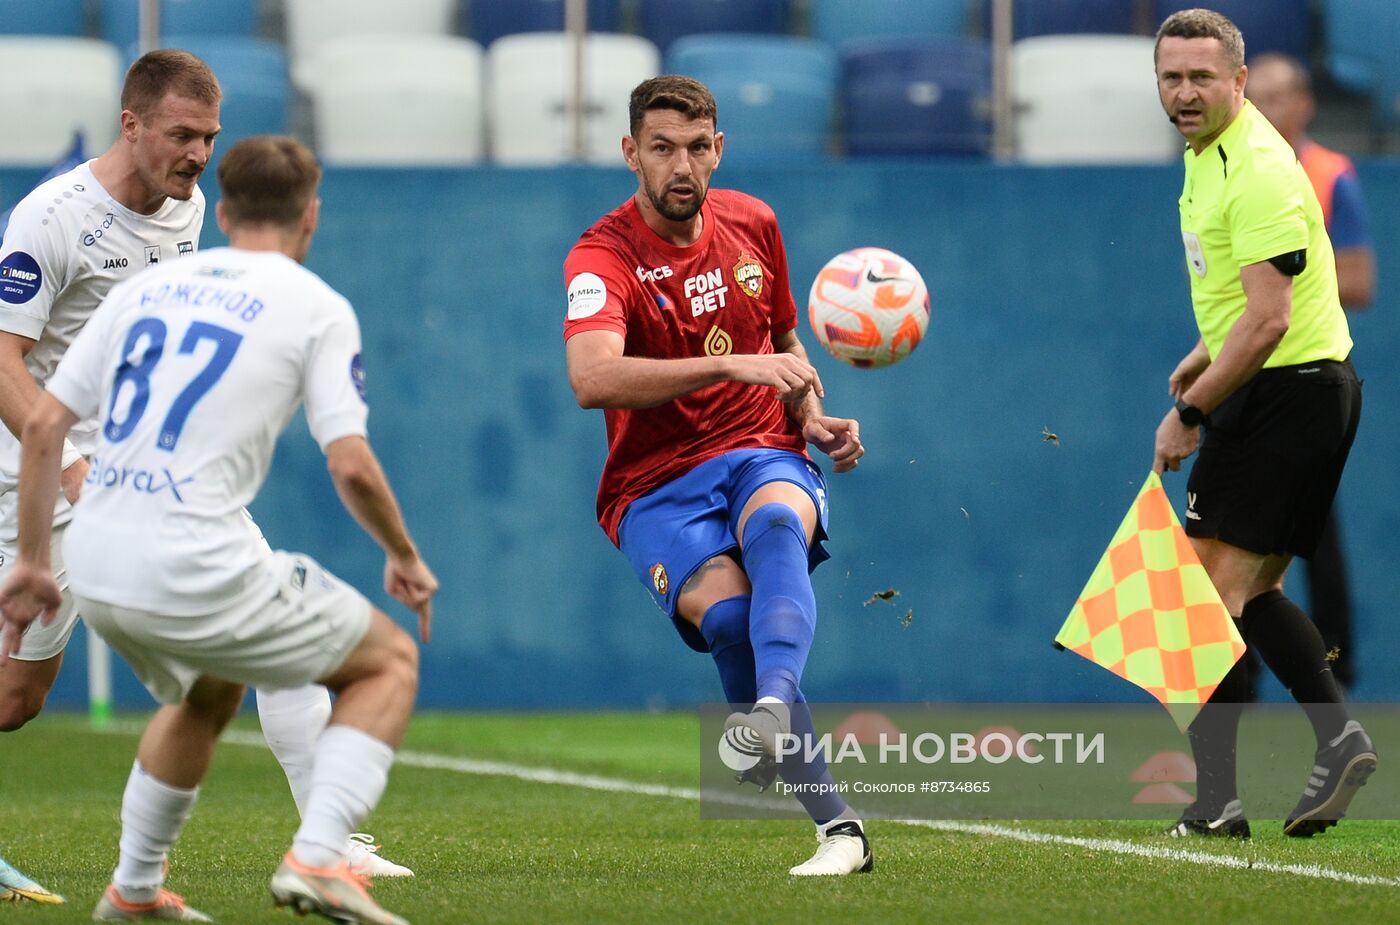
(1292, 263)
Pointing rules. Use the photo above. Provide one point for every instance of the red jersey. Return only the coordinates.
(726, 293)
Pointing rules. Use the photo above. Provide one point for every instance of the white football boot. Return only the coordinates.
(842, 849)
(362, 854)
(333, 892)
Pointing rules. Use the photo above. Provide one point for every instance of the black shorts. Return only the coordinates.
(1272, 456)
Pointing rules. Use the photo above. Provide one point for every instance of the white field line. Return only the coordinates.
(617, 785)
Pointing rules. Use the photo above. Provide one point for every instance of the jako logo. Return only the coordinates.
(651, 276)
(115, 263)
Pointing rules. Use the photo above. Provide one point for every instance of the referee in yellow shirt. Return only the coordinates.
(1269, 397)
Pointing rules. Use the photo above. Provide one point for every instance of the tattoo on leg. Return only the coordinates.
(708, 566)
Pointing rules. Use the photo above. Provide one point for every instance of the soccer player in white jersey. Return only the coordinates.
(67, 243)
(194, 370)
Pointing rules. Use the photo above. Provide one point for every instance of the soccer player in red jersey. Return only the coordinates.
(681, 326)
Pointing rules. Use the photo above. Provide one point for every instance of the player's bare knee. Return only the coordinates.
(215, 701)
(402, 663)
(22, 695)
(17, 708)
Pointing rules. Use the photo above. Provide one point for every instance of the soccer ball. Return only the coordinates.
(869, 307)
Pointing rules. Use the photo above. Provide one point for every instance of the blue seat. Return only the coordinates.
(842, 21)
(1072, 17)
(75, 156)
(775, 94)
(1360, 41)
(916, 97)
(121, 18)
(49, 17)
(664, 21)
(491, 19)
(1279, 25)
(1351, 40)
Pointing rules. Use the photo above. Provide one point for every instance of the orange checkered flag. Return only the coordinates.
(1150, 613)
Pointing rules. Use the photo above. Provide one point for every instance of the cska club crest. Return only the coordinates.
(748, 273)
(659, 579)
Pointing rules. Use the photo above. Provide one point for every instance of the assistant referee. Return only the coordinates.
(1270, 398)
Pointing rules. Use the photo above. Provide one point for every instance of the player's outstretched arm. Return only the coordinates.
(18, 395)
(602, 377)
(32, 590)
(18, 390)
(365, 492)
(838, 438)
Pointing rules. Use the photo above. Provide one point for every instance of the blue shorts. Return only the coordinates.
(670, 532)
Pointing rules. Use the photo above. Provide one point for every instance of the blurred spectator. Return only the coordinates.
(1280, 87)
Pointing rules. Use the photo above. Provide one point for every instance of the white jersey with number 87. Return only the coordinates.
(193, 370)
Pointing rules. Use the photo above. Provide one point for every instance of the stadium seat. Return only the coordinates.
(400, 100)
(842, 21)
(775, 94)
(1279, 25)
(528, 79)
(76, 155)
(1070, 17)
(50, 87)
(121, 19)
(1358, 58)
(311, 22)
(49, 17)
(1351, 28)
(916, 96)
(253, 74)
(664, 21)
(1089, 99)
(491, 19)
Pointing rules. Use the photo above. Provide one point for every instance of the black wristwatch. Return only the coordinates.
(1190, 415)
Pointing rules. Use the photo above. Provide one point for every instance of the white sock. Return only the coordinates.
(152, 815)
(291, 721)
(352, 768)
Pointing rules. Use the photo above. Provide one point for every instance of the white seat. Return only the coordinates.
(1089, 99)
(528, 85)
(398, 100)
(50, 87)
(312, 22)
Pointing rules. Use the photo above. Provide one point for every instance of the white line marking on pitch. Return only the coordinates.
(430, 761)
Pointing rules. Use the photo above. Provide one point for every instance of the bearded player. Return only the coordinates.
(681, 326)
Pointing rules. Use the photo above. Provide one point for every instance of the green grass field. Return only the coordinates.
(491, 845)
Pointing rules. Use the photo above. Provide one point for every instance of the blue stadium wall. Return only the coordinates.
(1060, 305)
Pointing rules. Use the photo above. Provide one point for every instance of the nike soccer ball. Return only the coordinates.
(869, 307)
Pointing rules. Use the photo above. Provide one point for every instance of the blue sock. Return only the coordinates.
(818, 796)
(783, 616)
(725, 627)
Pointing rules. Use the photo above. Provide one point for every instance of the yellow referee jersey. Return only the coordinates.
(1246, 199)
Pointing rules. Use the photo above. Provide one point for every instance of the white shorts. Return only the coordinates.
(40, 642)
(301, 633)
